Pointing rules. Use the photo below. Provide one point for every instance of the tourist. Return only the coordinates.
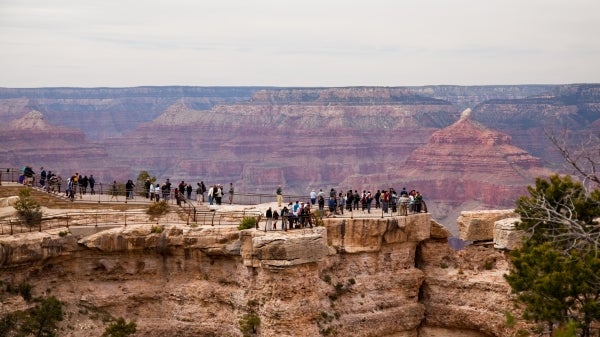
(148, 187)
(129, 189)
(203, 187)
(230, 193)
(404, 204)
(313, 197)
(188, 190)
(211, 192)
(341, 202)
(284, 218)
(321, 203)
(418, 200)
(218, 194)
(157, 192)
(275, 218)
(279, 194)
(151, 192)
(43, 177)
(114, 191)
(269, 216)
(92, 182)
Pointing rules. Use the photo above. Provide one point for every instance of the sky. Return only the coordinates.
(290, 43)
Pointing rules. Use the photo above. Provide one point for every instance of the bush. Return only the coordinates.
(249, 324)
(120, 328)
(248, 222)
(43, 318)
(25, 291)
(158, 208)
(28, 210)
(156, 229)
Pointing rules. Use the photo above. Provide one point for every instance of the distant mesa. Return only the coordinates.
(32, 120)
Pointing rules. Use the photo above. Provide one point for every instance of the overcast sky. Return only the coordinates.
(90, 43)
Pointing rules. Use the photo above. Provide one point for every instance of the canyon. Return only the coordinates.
(364, 138)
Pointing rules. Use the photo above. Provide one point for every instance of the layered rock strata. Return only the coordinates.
(359, 277)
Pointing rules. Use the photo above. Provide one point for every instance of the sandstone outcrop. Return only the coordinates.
(479, 225)
(359, 277)
(506, 235)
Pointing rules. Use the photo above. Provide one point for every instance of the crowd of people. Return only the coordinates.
(298, 214)
(388, 200)
(294, 214)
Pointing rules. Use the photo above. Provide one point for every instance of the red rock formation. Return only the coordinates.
(30, 140)
(467, 162)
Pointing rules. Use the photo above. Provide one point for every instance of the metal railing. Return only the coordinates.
(202, 218)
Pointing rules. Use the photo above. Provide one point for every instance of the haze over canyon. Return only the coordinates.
(306, 138)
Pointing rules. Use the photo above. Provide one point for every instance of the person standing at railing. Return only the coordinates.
(92, 182)
(188, 190)
(147, 186)
(114, 191)
(151, 191)
(279, 196)
(275, 218)
(202, 189)
(42, 177)
(230, 193)
(269, 216)
(218, 194)
(284, 218)
(129, 189)
(313, 197)
(211, 193)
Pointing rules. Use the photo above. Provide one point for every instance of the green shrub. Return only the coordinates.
(510, 319)
(43, 318)
(63, 233)
(249, 324)
(158, 208)
(248, 222)
(157, 229)
(28, 210)
(120, 328)
(25, 291)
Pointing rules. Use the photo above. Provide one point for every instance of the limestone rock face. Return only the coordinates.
(282, 250)
(355, 278)
(479, 225)
(506, 236)
(464, 293)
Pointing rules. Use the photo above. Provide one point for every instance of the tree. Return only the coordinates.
(583, 158)
(43, 318)
(120, 329)
(28, 209)
(556, 271)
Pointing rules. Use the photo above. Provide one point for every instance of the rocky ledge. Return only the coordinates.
(358, 277)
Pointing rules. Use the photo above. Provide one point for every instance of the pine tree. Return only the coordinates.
(556, 273)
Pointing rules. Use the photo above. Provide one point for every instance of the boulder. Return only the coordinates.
(479, 225)
(506, 236)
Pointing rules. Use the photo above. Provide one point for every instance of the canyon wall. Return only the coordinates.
(364, 138)
(352, 277)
